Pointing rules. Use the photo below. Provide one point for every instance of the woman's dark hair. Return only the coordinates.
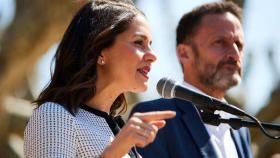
(93, 28)
(189, 23)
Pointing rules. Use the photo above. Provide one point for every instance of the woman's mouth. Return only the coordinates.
(144, 71)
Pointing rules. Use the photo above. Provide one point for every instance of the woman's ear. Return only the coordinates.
(101, 60)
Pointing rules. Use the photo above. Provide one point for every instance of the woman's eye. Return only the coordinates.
(139, 42)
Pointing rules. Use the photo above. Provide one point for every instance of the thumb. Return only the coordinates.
(159, 124)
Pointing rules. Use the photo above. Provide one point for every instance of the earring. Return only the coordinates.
(102, 61)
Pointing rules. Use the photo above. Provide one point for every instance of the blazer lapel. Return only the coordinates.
(193, 122)
(238, 145)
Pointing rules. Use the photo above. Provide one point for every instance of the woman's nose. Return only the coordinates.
(150, 56)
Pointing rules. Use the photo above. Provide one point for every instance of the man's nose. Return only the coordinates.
(235, 52)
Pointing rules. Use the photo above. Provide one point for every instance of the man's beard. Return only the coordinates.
(214, 76)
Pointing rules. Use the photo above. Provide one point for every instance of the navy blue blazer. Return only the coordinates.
(185, 136)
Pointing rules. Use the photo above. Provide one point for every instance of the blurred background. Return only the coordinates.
(30, 31)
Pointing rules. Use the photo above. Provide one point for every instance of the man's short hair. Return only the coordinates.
(190, 21)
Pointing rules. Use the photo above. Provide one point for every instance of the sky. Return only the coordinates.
(7, 11)
(261, 24)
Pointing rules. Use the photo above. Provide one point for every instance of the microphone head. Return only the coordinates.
(165, 87)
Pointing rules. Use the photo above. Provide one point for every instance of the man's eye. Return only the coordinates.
(239, 45)
(219, 42)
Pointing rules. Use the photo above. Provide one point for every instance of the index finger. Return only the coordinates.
(155, 115)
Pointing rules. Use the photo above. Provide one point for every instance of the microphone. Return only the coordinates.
(167, 88)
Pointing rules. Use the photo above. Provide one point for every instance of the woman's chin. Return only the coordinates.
(140, 89)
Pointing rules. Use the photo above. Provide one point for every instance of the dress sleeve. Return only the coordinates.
(50, 133)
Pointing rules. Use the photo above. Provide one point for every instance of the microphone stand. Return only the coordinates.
(235, 123)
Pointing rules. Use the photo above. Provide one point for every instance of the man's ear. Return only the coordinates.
(184, 53)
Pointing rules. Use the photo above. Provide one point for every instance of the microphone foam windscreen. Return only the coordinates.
(165, 87)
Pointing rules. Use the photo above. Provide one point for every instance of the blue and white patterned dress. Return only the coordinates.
(53, 132)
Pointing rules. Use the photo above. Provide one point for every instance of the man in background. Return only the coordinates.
(210, 50)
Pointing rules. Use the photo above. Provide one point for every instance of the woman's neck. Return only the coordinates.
(104, 97)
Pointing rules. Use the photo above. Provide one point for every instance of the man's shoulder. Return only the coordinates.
(159, 105)
(154, 105)
(159, 101)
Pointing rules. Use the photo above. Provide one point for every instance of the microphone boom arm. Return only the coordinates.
(235, 123)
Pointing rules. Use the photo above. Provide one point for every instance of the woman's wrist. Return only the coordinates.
(115, 150)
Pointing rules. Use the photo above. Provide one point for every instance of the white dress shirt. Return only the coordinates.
(219, 135)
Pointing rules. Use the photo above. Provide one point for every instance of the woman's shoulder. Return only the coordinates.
(51, 116)
(49, 131)
(52, 109)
